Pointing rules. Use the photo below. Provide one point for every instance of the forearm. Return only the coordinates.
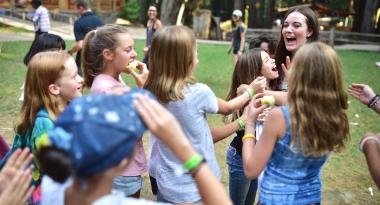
(227, 107)
(219, 133)
(242, 44)
(372, 154)
(76, 47)
(210, 188)
(281, 98)
(248, 155)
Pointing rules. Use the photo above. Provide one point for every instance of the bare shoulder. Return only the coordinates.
(276, 120)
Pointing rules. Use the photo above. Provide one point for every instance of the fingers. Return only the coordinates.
(20, 159)
(288, 62)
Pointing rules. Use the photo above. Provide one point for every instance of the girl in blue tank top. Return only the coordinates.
(297, 138)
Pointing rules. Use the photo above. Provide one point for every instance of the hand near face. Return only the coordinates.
(286, 67)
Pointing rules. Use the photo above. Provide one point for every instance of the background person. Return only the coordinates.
(238, 36)
(87, 21)
(152, 26)
(40, 18)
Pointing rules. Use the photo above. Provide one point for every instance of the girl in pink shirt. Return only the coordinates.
(107, 53)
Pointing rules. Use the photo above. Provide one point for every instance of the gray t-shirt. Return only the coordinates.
(191, 114)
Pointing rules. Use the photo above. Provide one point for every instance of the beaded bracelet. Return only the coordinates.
(374, 99)
(375, 103)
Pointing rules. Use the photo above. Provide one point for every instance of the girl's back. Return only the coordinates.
(289, 173)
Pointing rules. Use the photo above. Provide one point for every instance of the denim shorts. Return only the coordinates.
(128, 185)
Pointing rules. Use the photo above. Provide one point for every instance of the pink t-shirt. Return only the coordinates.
(102, 85)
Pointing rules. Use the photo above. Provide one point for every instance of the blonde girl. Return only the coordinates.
(107, 53)
(173, 60)
(249, 66)
(51, 83)
(297, 138)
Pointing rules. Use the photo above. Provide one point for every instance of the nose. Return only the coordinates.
(80, 79)
(288, 29)
(133, 54)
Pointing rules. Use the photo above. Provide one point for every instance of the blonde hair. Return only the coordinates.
(95, 41)
(44, 68)
(317, 101)
(171, 57)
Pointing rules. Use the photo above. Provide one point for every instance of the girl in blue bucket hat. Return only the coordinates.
(94, 141)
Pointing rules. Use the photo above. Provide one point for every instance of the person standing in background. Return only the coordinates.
(85, 23)
(40, 18)
(238, 36)
(152, 26)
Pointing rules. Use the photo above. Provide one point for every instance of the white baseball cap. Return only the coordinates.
(237, 12)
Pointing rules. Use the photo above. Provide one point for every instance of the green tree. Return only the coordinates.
(132, 11)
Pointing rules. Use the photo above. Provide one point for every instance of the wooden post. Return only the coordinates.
(332, 37)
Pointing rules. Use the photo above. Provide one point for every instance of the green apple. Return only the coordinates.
(133, 66)
(268, 100)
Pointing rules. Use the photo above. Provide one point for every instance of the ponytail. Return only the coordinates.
(55, 163)
(87, 59)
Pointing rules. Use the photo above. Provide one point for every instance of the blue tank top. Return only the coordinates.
(291, 177)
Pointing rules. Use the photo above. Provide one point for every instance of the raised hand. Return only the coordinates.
(15, 178)
(258, 85)
(361, 92)
(286, 67)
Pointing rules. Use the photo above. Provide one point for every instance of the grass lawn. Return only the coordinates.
(345, 176)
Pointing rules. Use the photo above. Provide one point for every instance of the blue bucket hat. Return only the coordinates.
(98, 132)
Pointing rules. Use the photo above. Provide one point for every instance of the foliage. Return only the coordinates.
(133, 10)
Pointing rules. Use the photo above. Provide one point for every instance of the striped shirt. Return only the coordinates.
(41, 20)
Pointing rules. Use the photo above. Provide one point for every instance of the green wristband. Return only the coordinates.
(241, 123)
(250, 93)
(193, 162)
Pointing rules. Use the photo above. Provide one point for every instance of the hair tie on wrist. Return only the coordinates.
(362, 143)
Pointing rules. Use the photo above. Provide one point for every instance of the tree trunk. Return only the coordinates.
(169, 11)
(261, 13)
(364, 15)
(238, 5)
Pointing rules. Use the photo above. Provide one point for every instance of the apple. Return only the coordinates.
(133, 66)
(268, 100)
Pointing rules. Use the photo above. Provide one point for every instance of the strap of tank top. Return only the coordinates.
(285, 110)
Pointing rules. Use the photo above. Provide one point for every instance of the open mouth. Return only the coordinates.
(291, 39)
(274, 69)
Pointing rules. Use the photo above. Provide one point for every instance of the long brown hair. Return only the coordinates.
(44, 68)
(171, 58)
(95, 41)
(317, 100)
(282, 52)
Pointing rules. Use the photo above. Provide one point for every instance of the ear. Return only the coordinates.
(309, 33)
(107, 54)
(54, 89)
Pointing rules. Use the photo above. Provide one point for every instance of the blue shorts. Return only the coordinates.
(128, 185)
